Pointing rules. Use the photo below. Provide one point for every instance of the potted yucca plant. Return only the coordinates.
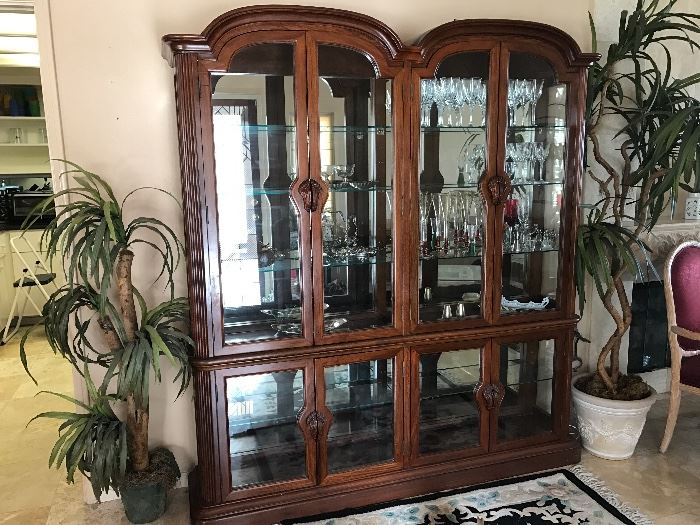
(99, 319)
(642, 135)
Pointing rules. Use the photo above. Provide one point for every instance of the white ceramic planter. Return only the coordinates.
(610, 429)
(692, 207)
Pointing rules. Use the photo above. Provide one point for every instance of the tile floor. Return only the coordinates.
(667, 488)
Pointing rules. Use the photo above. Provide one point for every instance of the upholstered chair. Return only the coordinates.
(682, 289)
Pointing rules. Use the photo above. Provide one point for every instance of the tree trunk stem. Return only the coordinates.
(137, 416)
(137, 426)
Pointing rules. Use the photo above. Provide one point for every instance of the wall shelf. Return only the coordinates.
(10, 118)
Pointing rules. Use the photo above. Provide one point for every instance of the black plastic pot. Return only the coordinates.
(144, 503)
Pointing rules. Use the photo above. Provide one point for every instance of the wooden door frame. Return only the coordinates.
(561, 387)
(426, 69)
(413, 401)
(386, 67)
(304, 416)
(571, 76)
(398, 355)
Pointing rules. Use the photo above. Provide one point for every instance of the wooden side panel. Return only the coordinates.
(189, 139)
(207, 440)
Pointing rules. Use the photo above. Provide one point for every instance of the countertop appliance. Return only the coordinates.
(24, 203)
(6, 192)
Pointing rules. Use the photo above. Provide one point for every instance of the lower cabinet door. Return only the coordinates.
(448, 419)
(359, 402)
(529, 378)
(269, 427)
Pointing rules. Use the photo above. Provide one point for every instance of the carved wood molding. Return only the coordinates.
(500, 189)
(315, 422)
(205, 418)
(492, 395)
(209, 43)
(310, 191)
(494, 28)
(187, 108)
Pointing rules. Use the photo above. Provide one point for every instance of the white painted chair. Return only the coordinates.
(34, 276)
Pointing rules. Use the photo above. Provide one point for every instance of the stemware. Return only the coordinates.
(540, 154)
(514, 99)
(453, 98)
(533, 93)
(476, 162)
(480, 100)
(425, 205)
(524, 209)
(427, 98)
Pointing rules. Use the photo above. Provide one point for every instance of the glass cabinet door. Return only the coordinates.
(255, 154)
(356, 155)
(266, 426)
(449, 418)
(357, 399)
(525, 372)
(454, 157)
(535, 161)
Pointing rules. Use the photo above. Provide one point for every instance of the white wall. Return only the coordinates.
(117, 112)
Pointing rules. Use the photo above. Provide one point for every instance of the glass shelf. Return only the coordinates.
(468, 258)
(292, 263)
(264, 128)
(522, 383)
(537, 183)
(359, 186)
(266, 191)
(548, 250)
(453, 129)
(335, 187)
(356, 129)
(545, 127)
(475, 185)
(472, 257)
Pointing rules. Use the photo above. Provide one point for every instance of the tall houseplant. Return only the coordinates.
(656, 130)
(93, 321)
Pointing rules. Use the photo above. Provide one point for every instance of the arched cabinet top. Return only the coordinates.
(239, 22)
(567, 49)
(212, 42)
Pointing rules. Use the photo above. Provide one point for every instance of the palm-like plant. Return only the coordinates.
(94, 241)
(659, 134)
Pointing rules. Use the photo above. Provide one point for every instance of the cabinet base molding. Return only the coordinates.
(406, 483)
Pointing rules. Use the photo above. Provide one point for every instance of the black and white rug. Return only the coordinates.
(571, 496)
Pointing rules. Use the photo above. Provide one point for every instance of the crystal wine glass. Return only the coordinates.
(541, 152)
(534, 92)
(427, 98)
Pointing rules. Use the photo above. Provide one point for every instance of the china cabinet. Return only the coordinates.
(380, 255)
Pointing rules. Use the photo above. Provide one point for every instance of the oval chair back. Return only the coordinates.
(682, 291)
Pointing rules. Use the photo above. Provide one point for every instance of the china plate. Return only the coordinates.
(517, 305)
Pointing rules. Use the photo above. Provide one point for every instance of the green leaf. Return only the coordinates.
(594, 37)
(159, 344)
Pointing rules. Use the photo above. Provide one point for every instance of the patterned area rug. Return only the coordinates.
(571, 496)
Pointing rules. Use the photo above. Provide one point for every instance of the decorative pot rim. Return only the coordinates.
(616, 404)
